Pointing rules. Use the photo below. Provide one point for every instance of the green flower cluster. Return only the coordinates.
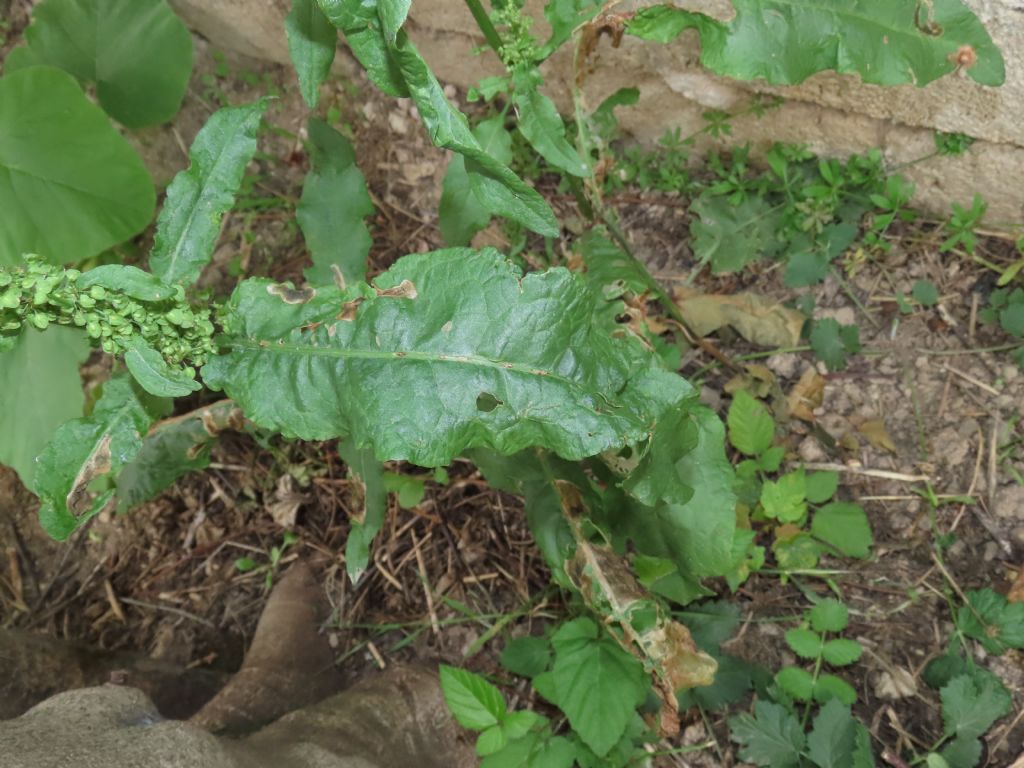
(519, 48)
(40, 294)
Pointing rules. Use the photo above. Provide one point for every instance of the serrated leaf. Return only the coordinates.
(526, 656)
(822, 486)
(460, 214)
(198, 197)
(804, 643)
(925, 293)
(828, 687)
(474, 702)
(841, 652)
(171, 449)
(711, 623)
(962, 752)
(787, 41)
(751, 426)
(64, 204)
(833, 343)
(729, 237)
(512, 362)
(734, 679)
(784, 499)
(829, 615)
(971, 704)
(992, 620)
(153, 373)
(770, 737)
(333, 209)
(542, 127)
(491, 740)
(832, 742)
(367, 474)
(85, 450)
(797, 682)
(312, 41)
(137, 52)
(599, 685)
(40, 375)
(845, 526)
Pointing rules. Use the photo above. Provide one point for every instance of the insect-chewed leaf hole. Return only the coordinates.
(486, 402)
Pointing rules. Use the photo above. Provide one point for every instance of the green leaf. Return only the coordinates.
(474, 702)
(171, 449)
(312, 41)
(734, 679)
(564, 16)
(729, 237)
(711, 623)
(962, 752)
(367, 473)
(751, 426)
(132, 281)
(245, 564)
(828, 687)
(796, 682)
(599, 685)
(85, 450)
(460, 214)
(542, 126)
(787, 41)
(333, 209)
(829, 615)
(832, 742)
(360, 23)
(845, 526)
(498, 189)
(198, 197)
(804, 643)
(40, 382)
(797, 553)
(392, 16)
(526, 656)
(490, 741)
(841, 652)
(925, 293)
(783, 499)
(770, 737)
(662, 23)
(833, 343)
(70, 185)
(657, 475)
(512, 362)
(137, 52)
(1011, 319)
(989, 618)
(154, 375)
(971, 704)
(822, 486)
(410, 490)
(612, 272)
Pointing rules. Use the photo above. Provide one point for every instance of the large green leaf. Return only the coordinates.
(88, 449)
(359, 22)
(542, 126)
(312, 41)
(199, 196)
(333, 208)
(70, 185)
(41, 390)
(885, 42)
(460, 215)
(137, 52)
(447, 351)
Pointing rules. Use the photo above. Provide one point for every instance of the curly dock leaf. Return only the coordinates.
(199, 196)
(446, 351)
(787, 41)
(312, 41)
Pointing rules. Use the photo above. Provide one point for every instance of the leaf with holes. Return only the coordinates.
(137, 52)
(197, 199)
(312, 41)
(446, 351)
(333, 210)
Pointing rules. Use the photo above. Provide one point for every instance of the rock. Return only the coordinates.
(1009, 502)
(810, 451)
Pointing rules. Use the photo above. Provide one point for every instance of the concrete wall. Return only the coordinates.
(834, 114)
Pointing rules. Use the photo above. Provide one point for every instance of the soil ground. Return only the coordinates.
(454, 574)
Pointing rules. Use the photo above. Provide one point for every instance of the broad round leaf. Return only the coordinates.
(137, 52)
(70, 185)
(845, 526)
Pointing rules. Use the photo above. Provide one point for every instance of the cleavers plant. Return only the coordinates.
(552, 381)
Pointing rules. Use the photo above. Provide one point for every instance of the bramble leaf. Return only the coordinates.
(796, 682)
(784, 499)
(474, 702)
(804, 643)
(829, 615)
(821, 486)
(333, 209)
(447, 351)
(526, 656)
(751, 426)
(137, 52)
(70, 185)
(845, 526)
(312, 42)
(841, 652)
(770, 737)
(198, 197)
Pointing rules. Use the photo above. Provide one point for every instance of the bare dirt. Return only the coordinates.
(452, 575)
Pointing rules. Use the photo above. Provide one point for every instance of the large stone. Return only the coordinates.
(834, 114)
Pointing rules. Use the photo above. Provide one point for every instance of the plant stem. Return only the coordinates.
(486, 27)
